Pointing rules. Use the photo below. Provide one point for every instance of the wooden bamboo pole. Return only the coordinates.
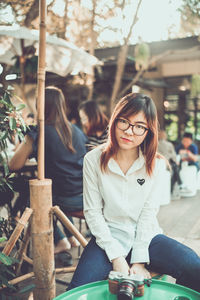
(22, 250)
(41, 87)
(65, 270)
(27, 259)
(40, 190)
(42, 239)
(22, 61)
(18, 230)
(21, 278)
(31, 275)
(66, 222)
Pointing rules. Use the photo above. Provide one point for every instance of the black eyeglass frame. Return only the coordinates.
(131, 125)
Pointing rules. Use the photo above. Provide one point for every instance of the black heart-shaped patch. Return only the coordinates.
(141, 181)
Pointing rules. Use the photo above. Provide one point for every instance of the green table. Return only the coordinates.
(159, 290)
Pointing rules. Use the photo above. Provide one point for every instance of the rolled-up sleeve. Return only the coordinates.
(93, 211)
(147, 225)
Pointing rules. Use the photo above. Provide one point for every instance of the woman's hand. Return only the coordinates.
(120, 265)
(140, 269)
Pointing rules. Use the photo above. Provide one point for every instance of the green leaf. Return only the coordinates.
(23, 124)
(3, 239)
(7, 98)
(21, 136)
(12, 123)
(4, 136)
(11, 175)
(4, 102)
(20, 107)
(6, 260)
(6, 169)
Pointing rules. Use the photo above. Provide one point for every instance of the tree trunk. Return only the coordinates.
(153, 60)
(121, 61)
(41, 192)
(90, 77)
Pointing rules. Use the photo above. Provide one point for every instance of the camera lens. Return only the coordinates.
(126, 290)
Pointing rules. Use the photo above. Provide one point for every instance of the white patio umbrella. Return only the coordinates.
(62, 57)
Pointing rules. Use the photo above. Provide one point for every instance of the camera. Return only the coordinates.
(126, 287)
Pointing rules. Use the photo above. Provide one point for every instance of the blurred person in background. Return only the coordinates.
(188, 150)
(64, 152)
(167, 149)
(94, 123)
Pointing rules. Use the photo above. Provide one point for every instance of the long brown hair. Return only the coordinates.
(56, 115)
(97, 120)
(129, 105)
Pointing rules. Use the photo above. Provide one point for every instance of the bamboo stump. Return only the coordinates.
(42, 239)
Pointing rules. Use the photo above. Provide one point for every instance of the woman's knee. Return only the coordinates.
(173, 257)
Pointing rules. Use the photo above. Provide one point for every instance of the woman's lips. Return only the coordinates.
(126, 140)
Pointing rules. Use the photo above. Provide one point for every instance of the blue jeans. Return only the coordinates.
(167, 256)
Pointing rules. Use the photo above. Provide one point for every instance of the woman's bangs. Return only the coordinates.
(128, 111)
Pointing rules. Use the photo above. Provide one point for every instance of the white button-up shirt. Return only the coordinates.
(120, 209)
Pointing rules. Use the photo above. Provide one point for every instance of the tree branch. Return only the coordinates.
(153, 60)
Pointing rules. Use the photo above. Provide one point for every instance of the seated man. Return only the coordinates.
(188, 151)
(166, 148)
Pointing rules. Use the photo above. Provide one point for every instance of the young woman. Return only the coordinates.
(121, 201)
(64, 152)
(94, 123)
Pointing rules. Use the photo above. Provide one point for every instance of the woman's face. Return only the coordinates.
(126, 139)
(83, 118)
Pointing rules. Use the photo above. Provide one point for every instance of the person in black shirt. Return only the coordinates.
(64, 152)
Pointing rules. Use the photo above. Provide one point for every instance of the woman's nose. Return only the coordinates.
(129, 131)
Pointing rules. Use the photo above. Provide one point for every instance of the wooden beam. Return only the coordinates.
(18, 230)
(66, 222)
(180, 68)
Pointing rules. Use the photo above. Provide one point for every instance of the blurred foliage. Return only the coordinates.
(12, 126)
(142, 55)
(30, 67)
(6, 270)
(191, 8)
(190, 16)
(6, 228)
(6, 262)
(171, 121)
(195, 86)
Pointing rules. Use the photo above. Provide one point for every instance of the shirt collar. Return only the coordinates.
(138, 164)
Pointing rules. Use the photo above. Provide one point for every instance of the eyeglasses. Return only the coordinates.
(124, 125)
